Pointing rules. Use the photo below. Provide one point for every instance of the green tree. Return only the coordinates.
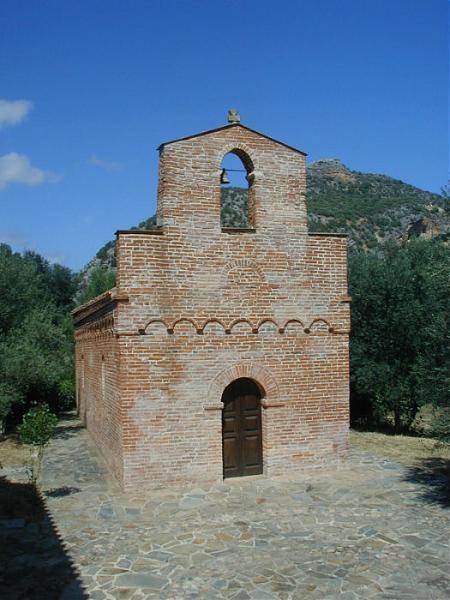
(36, 362)
(36, 336)
(399, 345)
(21, 288)
(60, 283)
(100, 280)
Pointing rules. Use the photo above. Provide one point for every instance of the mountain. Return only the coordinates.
(370, 208)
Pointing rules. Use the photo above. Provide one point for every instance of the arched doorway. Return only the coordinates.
(241, 429)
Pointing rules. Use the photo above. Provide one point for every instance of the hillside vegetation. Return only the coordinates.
(370, 208)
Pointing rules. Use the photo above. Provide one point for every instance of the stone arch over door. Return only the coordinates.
(259, 374)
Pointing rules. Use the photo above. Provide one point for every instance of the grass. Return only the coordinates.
(427, 461)
(13, 453)
(404, 449)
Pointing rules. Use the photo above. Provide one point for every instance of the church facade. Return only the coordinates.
(221, 352)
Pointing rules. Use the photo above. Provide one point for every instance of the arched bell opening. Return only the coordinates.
(236, 179)
(242, 429)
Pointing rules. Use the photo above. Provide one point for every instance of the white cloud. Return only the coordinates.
(13, 112)
(17, 168)
(107, 165)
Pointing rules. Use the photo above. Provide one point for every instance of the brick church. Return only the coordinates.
(221, 352)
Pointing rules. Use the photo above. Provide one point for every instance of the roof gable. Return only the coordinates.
(229, 126)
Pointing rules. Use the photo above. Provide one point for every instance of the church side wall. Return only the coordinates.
(98, 389)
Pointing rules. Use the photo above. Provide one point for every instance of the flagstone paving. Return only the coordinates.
(362, 531)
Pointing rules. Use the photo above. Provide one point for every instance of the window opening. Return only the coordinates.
(235, 183)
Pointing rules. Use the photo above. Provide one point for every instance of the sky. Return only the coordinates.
(90, 88)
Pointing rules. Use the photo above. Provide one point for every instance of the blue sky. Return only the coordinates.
(103, 83)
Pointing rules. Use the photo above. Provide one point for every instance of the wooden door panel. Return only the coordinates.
(250, 423)
(230, 425)
(231, 465)
(241, 429)
(251, 450)
(250, 403)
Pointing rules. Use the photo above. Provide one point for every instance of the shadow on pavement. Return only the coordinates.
(62, 491)
(33, 560)
(433, 474)
(65, 432)
(69, 425)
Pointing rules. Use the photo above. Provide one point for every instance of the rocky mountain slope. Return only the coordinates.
(370, 208)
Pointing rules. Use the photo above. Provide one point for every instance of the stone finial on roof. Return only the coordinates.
(233, 116)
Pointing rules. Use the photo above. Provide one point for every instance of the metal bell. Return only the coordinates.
(224, 177)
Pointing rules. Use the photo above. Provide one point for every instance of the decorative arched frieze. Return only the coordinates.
(315, 326)
(185, 320)
(214, 321)
(153, 324)
(294, 324)
(266, 321)
(234, 324)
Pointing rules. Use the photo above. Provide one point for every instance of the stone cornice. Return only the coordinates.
(98, 307)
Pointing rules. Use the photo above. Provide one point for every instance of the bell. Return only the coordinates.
(224, 177)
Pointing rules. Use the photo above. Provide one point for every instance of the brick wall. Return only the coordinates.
(97, 364)
(206, 306)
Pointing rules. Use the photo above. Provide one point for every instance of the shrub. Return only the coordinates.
(38, 426)
(440, 425)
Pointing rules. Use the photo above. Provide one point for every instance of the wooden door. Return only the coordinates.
(241, 429)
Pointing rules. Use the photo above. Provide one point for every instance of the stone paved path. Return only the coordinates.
(363, 531)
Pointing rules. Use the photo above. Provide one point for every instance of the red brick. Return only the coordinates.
(196, 307)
